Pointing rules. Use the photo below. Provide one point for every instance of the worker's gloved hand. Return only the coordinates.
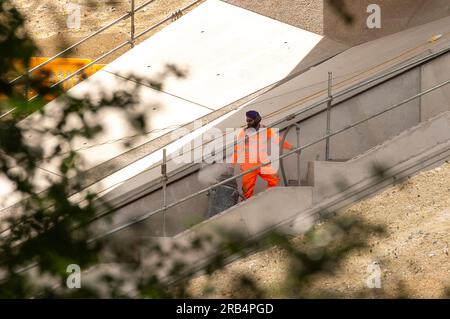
(290, 148)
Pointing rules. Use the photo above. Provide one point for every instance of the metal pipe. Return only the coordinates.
(164, 180)
(328, 129)
(132, 25)
(297, 130)
(420, 89)
(283, 172)
(152, 27)
(355, 87)
(296, 150)
(393, 71)
(428, 57)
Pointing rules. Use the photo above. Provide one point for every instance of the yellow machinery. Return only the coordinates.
(61, 68)
(52, 73)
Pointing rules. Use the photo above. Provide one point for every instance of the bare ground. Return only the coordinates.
(46, 22)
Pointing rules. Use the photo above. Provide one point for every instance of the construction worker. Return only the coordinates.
(251, 150)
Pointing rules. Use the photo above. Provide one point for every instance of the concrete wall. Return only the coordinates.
(396, 15)
(433, 73)
(331, 178)
(177, 219)
(354, 141)
(368, 134)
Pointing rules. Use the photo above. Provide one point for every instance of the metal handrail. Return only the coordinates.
(283, 173)
(114, 22)
(293, 151)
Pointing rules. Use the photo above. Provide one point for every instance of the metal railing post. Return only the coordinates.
(132, 24)
(328, 131)
(420, 90)
(297, 130)
(26, 88)
(164, 187)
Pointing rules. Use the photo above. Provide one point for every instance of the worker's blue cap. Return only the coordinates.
(253, 115)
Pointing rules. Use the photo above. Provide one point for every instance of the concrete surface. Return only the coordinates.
(433, 73)
(321, 17)
(396, 15)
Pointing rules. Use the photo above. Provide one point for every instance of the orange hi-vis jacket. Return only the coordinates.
(253, 149)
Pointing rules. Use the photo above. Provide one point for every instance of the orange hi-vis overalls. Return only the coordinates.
(252, 150)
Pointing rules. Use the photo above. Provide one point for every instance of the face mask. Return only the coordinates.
(253, 124)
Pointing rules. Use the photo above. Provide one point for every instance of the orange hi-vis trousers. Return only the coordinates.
(252, 151)
(249, 181)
